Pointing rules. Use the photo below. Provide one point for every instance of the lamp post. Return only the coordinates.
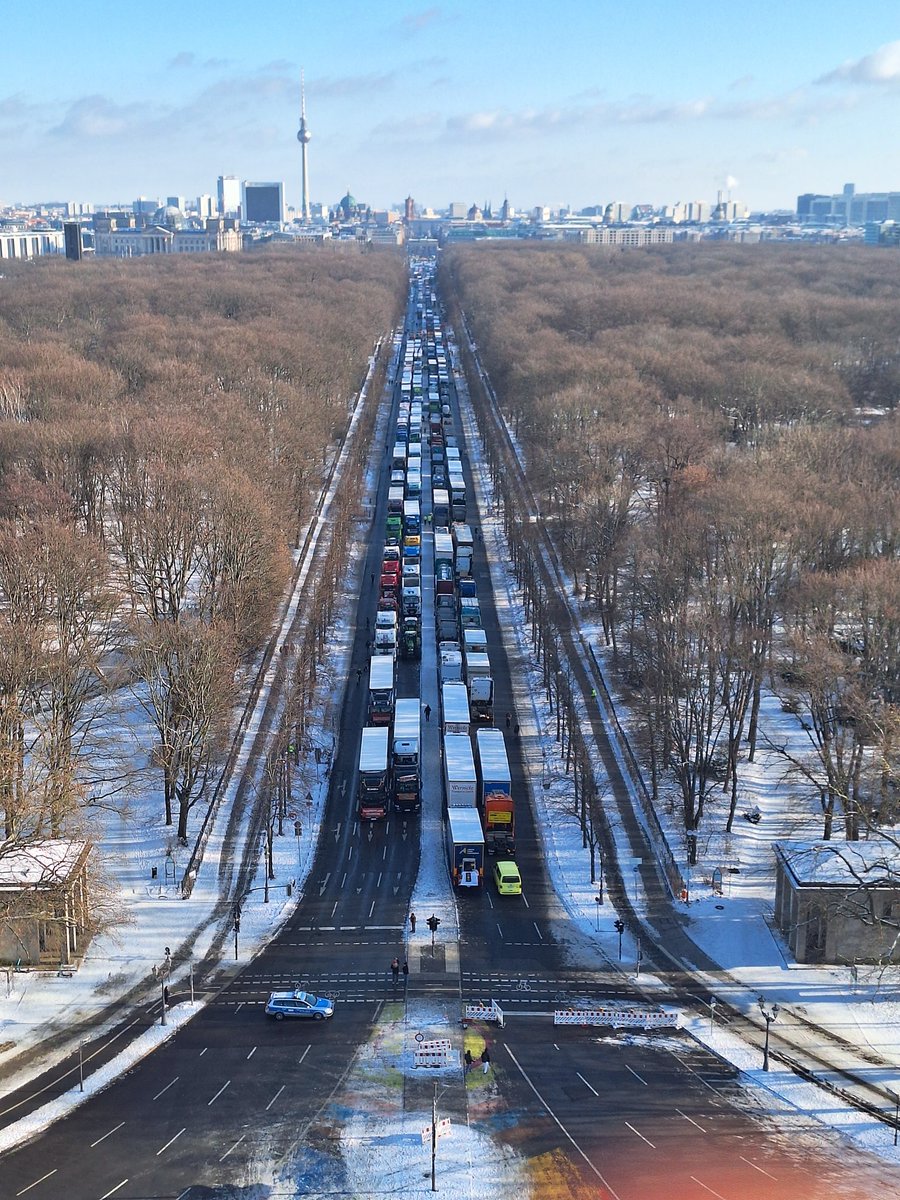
(598, 900)
(769, 1015)
(896, 1096)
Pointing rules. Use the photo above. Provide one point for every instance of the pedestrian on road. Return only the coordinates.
(367, 622)
(508, 720)
(485, 1061)
(412, 922)
(427, 713)
(166, 996)
(405, 972)
(395, 969)
(516, 730)
(469, 1062)
(358, 674)
(593, 693)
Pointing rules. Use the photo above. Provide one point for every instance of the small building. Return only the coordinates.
(44, 913)
(839, 902)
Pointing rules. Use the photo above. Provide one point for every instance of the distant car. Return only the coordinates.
(299, 1004)
(507, 879)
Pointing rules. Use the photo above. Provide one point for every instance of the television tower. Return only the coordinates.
(303, 136)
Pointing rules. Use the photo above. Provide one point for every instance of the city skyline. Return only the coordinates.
(577, 106)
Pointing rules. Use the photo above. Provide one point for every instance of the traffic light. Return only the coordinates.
(433, 923)
(620, 926)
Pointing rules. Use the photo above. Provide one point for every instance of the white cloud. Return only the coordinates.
(880, 67)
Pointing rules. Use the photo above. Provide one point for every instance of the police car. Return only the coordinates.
(299, 1004)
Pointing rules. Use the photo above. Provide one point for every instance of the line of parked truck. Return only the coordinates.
(478, 793)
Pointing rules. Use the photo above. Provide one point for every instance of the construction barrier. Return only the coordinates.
(618, 1018)
(484, 1012)
(436, 1053)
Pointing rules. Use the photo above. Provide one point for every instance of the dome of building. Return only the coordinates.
(170, 216)
(347, 203)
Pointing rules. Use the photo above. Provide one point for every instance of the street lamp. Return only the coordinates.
(598, 900)
(769, 1015)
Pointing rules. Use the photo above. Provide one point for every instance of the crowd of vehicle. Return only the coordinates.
(433, 505)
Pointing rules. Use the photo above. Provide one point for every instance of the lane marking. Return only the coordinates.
(691, 1119)
(303, 1055)
(106, 1135)
(37, 1181)
(700, 1183)
(586, 1084)
(113, 1191)
(275, 1097)
(237, 1010)
(635, 1074)
(371, 910)
(168, 1085)
(252, 1052)
(756, 1168)
(640, 1135)
(218, 1093)
(537, 931)
(499, 930)
(234, 1147)
(613, 1193)
(203, 1051)
(170, 1141)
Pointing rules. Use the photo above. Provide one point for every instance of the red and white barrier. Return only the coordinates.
(484, 1012)
(436, 1053)
(618, 1018)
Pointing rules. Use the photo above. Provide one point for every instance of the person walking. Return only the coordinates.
(405, 972)
(485, 1061)
(412, 922)
(358, 674)
(469, 1062)
(427, 713)
(508, 720)
(395, 969)
(516, 730)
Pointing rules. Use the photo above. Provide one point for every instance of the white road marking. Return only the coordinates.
(371, 910)
(234, 1147)
(586, 1084)
(378, 884)
(691, 1119)
(343, 881)
(237, 1010)
(350, 851)
(275, 1097)
(640, 1135)
(218, 1094)
(113, 1191)
(168, 1085)
(203, 1051)
(537, 931)
(37, 1181)
(635, 1074)
(614, 1194)
(170, 1141)
(700, 1183)
(109, 1133)
(252, 1052)
(334, 910)
(302, 1056)
(500, 931)
(756, 1168)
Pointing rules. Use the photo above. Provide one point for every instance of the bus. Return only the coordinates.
(374, 775)
(381, 689)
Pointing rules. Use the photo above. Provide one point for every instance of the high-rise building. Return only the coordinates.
(262, 203)
(229, 195)
(205, 207)
(176, 202)
(303, 137)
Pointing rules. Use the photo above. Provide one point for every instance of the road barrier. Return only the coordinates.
(618, 1018)
(436, 1053)
(484, 1012)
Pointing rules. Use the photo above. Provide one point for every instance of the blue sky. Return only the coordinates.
(578, 103)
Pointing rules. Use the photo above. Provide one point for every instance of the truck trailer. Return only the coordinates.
(459, 771)
(465, 848)
(374, 774)
(455, 707)
(405, 756)
(495, 798)
(381, 689)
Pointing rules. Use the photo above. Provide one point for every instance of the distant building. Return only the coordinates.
(457, 210)
(144, 206)
(409, 209)
(616, 213)
(176, 202)
(262, 203)
(228, 190)
(30, 243)
(45, 898)
(205, 207)
(848, 207)
(220, 235)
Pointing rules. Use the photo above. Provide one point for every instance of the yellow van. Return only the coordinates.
(507, 879)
